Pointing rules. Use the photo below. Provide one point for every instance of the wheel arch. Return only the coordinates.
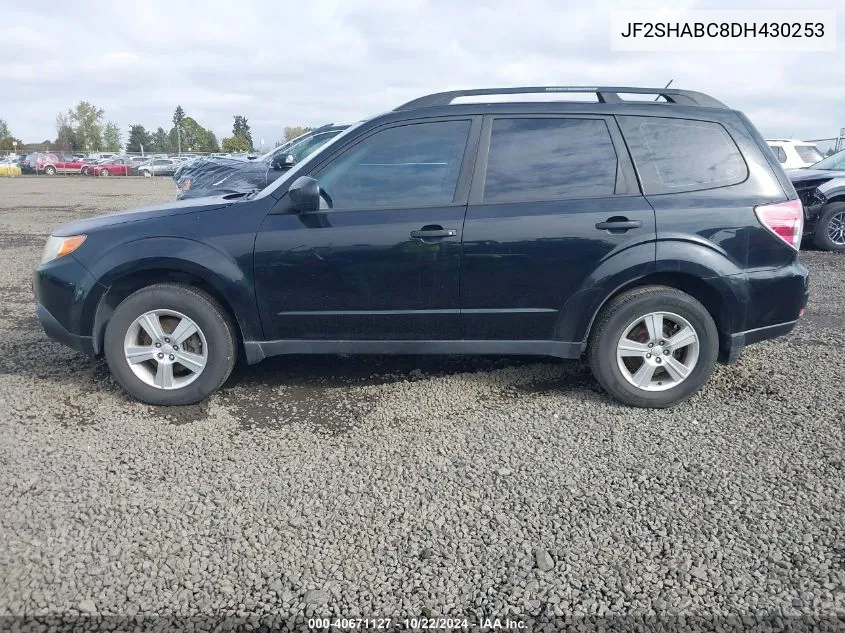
(125, 285)
(129, 267)
(701, 271)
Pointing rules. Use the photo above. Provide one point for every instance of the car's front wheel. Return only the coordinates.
(145, 173)
(830, 229)
(170, 344)
(105, 172)
(50, 170)
(653, 346)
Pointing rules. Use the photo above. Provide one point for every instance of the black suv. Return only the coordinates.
(651, 237)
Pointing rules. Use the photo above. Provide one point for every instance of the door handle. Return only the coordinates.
(620, 224)
(428, 232)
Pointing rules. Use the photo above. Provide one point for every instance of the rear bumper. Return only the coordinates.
(733, 344)
(57, 332)
(777, 299)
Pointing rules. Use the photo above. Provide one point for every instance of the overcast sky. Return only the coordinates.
(282, 63)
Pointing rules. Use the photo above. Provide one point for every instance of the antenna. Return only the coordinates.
(666, 86)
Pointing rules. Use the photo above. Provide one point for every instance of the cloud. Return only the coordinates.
(282, 64)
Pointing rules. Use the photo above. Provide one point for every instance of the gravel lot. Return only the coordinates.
(408, 486)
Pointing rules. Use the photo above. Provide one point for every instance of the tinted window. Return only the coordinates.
(412, 166)
(548, 159)
(681, 155)
(809, 153)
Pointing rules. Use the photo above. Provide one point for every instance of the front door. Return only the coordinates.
(381, 259)
(556, 197)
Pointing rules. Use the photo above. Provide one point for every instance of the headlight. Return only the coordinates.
(60, 246)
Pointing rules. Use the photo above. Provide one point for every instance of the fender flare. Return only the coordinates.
(667, 257)
(202, 261)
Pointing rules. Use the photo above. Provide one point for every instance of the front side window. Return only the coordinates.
(549, 159)
(673, 155)
(414, 165)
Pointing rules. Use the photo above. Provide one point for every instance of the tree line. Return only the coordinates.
(83, 129)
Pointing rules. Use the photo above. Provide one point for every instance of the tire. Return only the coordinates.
(84, 171)
(829, 234)
(214, 342)
(105, 172)
(146, 174)
(626, 315)
(50, 170)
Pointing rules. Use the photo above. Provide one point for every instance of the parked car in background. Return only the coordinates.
(794, 154)
(158, 167)
(23, 164)
(87, 163)
(821, 187)
(39, 162)
(111, 167)
(211, 175)
(64, 164)
(9, 167)
(101, 155)
(649, 238)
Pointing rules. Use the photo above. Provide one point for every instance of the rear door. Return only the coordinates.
(553, 196)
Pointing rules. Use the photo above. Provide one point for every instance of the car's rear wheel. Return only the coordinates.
(653, 347)
(830, 228)
(105, 172)
(170, 344)
(50, 170)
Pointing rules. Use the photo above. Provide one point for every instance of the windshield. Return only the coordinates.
(809, 153)
(298, 168)
(301, 146)
(834, 161)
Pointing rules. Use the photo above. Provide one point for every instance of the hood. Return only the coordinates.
(205, 176)
(195, 205)
(801, 175)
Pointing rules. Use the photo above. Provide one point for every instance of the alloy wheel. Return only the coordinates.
(836, 229)
(657, 351)
(165, 349)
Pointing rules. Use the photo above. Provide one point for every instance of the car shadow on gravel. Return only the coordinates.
(319, 389)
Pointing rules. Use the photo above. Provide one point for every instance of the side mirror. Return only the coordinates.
(282, 161)
(305, 194)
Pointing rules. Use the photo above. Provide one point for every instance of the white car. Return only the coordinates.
(794, 154)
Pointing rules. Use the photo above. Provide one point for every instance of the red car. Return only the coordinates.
(114, 167)
(62, 165)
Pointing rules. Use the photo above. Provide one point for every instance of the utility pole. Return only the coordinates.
(178, 138)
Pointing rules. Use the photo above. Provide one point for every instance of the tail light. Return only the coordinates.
(784, 219)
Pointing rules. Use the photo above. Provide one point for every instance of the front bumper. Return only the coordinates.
(66, 296)
(57, 332)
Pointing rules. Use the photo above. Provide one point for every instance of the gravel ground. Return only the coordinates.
(412, 486)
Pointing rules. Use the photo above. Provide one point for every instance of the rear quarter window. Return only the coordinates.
(676, 155)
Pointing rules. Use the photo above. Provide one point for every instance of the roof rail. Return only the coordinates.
(603, 94)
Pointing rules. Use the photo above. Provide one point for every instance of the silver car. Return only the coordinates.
(158, 167)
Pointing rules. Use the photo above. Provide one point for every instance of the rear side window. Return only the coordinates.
(779, 153)
(673, 155)
(549, 159)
